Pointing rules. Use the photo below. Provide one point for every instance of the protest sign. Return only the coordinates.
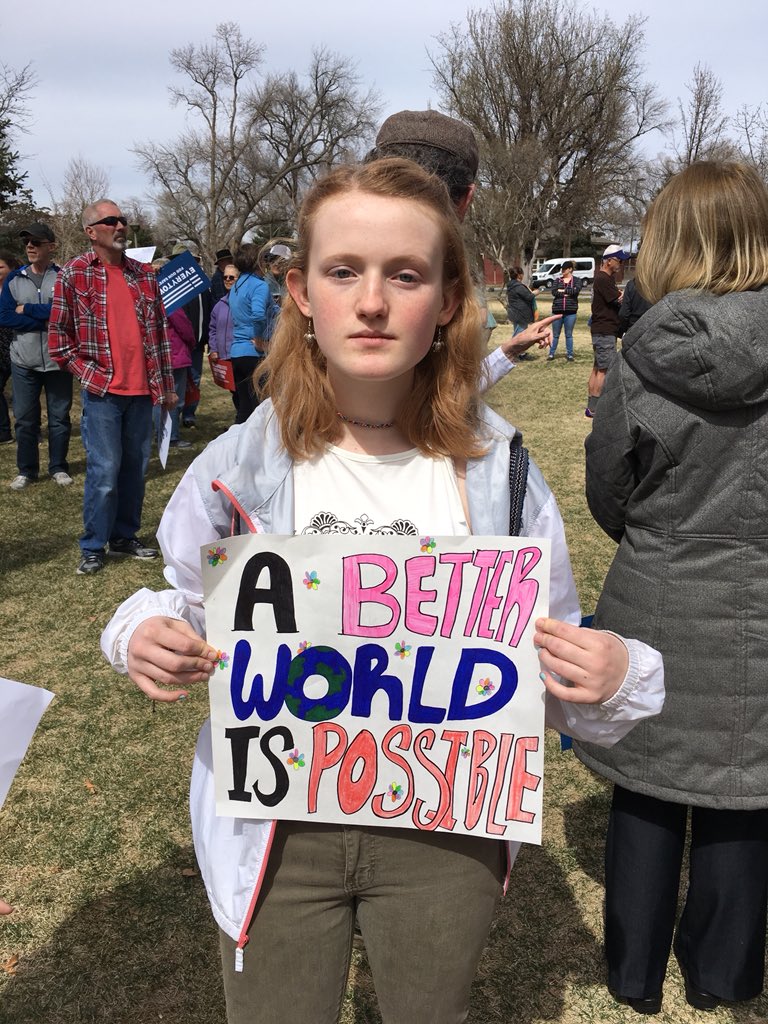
(21, 708)
(180, 281)
(379, 680)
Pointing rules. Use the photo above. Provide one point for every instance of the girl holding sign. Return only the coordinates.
(374, 421)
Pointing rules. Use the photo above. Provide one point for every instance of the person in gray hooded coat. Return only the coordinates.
(677, 474)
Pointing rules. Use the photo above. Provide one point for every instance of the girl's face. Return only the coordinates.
(373, 286)
(4, 270)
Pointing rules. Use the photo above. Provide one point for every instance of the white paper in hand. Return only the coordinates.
(164, 436)
(21, 708)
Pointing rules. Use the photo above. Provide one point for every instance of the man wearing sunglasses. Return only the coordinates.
(108, 329)
(25, 305)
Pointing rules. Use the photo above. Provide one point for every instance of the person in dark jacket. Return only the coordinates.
(218, 288)
(25, 306)
(565, 300)
(676, 474)
(8, 263)
(521, 304)
(521, 301)
(633, 305)
(606, 302)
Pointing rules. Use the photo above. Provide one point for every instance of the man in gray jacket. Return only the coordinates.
(25, 305)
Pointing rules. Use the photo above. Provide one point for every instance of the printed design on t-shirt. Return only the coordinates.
(327, 522)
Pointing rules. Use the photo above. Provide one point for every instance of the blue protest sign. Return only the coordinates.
(180, 281)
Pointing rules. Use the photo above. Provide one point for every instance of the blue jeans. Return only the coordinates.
(180, 387)
(117, 435)
(27, 387)
(569, 319)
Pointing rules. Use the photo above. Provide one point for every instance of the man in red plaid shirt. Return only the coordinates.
(108, 328)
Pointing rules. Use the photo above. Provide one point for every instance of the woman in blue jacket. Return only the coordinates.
(250, 303)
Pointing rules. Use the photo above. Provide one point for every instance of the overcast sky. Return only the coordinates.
(103, 68)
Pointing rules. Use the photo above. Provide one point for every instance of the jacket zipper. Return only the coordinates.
(242, 940)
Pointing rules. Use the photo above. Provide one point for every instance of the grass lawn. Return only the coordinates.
(111, 922)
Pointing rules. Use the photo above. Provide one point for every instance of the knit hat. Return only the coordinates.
(430, 128)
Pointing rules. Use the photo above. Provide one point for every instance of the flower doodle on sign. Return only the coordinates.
(395, 791)
(216, 556)
(402, 650)
(465, 751)
(485, 687)
(428, 544)
(303, 646)
(295, 759)
(310, 581)
(222, 659)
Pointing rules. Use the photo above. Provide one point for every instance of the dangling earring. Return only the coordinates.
(437, 344)
(309, 337)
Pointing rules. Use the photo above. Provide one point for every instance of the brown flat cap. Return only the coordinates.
(430, 128)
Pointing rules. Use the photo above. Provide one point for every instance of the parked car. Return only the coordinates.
(583, 268)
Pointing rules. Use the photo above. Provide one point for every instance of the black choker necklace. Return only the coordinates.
(365, 423)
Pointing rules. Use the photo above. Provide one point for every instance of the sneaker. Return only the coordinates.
(6, 439)
(133, 547)
(569, 359)
(90, 563)
(189, 423)
(588, 413)
(20, 482)
(62, 479)
(180, 444)
(550, 358)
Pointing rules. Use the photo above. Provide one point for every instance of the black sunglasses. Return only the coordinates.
(110, 222)
(230, 277)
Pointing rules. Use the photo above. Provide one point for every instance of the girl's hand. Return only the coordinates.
(538, 333)
(168, 651)
(595, 663)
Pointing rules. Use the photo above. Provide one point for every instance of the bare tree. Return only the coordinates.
(751, 126)
(703, 125)
(252, 141)
(83, 183)
(15, 86)
(557, 99)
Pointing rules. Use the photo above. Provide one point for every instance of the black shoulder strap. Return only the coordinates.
(518, 476)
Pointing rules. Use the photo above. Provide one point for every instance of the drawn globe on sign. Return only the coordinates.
(335, 672)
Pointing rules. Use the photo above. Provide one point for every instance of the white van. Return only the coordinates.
(583, 267)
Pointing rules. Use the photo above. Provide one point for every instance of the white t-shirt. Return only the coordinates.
(406, 494)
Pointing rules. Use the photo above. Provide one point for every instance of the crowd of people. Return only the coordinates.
(357, 369)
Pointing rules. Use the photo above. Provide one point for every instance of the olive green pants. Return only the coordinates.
(424, 903)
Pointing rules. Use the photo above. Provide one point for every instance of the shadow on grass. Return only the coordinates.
(586, 825)
(146, 951)
(539, 946)
(15, 555)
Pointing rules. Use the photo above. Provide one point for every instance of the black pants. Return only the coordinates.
(720, 940)
(244, 370)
